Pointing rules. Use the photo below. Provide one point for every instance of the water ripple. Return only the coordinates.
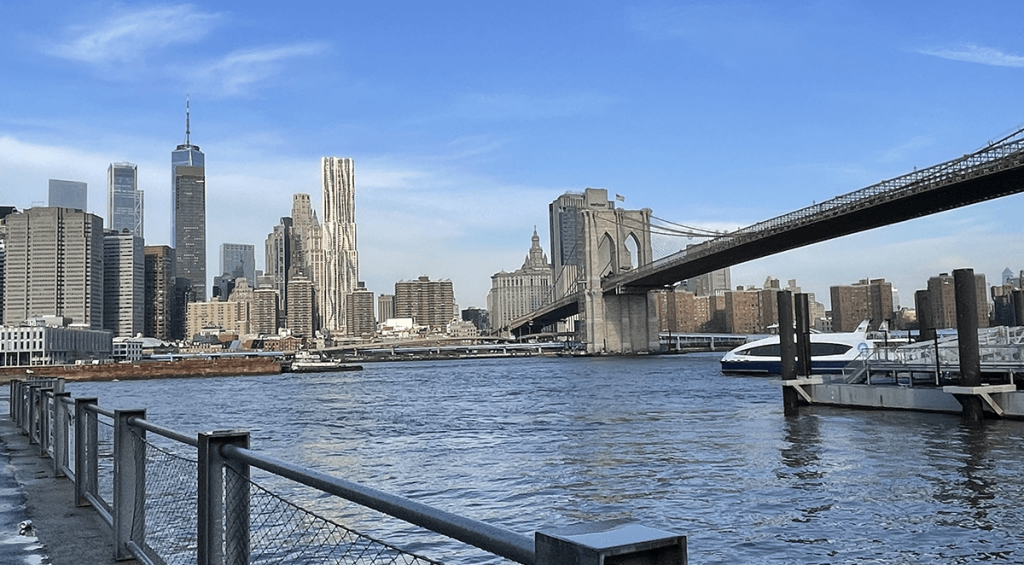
(667, 441)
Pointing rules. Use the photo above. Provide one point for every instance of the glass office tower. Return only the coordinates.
(188, 215)
(124, 199)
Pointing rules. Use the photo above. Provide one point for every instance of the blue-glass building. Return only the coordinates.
(188, 216)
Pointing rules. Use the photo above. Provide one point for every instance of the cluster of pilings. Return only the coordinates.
(795, 343)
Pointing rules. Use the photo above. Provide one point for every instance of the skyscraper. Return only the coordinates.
(341, 261)
(188, 216)
(359, 312)
(300, 306)
(238, 260)
(567, 236)
(159, 288)
(427, 302)
(68, 194)
(279, 260)
(307, 250)
(520, 292)
(54, 266)
(124, 284)
(124, 199)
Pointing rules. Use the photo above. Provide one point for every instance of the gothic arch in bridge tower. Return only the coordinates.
(606, 256)
(616, 241)
(632, 257)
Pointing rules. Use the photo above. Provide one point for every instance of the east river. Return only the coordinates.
(667, 441)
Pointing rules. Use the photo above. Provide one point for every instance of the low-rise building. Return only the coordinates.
(39, 344)
(127, 349)
(462, 328)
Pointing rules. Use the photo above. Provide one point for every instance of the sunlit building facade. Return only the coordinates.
(341, 260)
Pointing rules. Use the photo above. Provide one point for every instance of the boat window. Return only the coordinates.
(818, 349)
(763, 351)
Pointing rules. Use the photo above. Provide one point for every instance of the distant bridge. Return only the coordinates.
(996, 170)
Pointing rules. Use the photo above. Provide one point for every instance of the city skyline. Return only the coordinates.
(713, 115)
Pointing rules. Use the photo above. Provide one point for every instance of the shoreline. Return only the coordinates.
(195, 367)
(178, 368)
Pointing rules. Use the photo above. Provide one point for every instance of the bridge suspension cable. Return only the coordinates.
(685, 231)
(674, 229)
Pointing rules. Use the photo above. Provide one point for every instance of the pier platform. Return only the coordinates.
(61, 534)
(999, 400)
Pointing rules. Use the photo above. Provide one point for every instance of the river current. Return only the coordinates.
(667, 441)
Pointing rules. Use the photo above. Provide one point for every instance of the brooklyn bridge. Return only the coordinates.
(613, 300)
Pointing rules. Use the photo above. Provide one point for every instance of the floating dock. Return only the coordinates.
(999, 400)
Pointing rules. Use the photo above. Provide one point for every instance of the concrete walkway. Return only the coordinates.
(63, 533)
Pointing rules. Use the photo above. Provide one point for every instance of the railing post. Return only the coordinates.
(34, 405)
(223, 501)
(61, 437)
(45, 399)
(17, 400)
(129, 514)
(86, 447)
(25, 425)
(615, 541)
(12, 411)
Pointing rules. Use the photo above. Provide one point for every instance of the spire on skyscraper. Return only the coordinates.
(188, 129)
(188, 132)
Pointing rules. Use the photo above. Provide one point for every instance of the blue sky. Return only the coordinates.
(465, 119)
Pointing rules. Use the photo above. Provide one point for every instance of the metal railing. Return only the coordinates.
(937, 359)
(172, 498)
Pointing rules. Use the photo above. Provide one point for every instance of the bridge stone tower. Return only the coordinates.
(616, 241)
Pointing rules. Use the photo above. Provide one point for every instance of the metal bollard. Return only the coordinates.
(129, 483)
(223, 506)
(616, 542)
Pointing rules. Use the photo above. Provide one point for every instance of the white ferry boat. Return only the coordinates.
(830, 353)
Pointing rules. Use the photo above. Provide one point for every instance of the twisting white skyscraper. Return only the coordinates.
(341, 261)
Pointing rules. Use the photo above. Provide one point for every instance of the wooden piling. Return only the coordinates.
(803, 334)
(967, 339)
(787, 351)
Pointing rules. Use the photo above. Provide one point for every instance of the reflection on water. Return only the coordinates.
(667, 441)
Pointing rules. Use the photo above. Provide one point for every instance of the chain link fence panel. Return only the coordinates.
(282, 532)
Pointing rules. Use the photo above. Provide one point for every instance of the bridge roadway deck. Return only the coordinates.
(64, 533)
(992, 172)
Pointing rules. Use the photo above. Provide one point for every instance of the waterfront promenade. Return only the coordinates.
(64, 534)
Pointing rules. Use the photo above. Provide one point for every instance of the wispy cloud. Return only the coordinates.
(711, 25)
(504, 106)
(128, 35)
(903, 151)
(971, 53)
(238, 72)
